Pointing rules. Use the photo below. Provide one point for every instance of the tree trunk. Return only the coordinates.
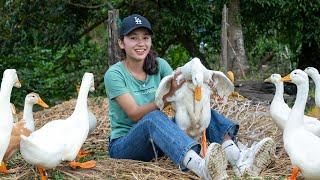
(237, 60)
(113, 48)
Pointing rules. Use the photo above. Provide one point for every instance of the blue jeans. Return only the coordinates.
(155, 135)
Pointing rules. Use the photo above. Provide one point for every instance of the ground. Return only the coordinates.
(253, 117)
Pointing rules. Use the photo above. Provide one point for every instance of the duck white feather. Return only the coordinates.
(9, 79)
(279, 110)
(60, 140)
(193, 116)
(92, 117)
(301, 145)
(315, 76)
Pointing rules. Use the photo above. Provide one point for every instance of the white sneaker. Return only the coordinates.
(256, 158)
(215, 163)
(263, 155)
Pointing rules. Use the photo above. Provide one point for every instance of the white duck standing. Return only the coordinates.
(302, 146)
(61, 140)
(9, 79)
(279, 110)
(25, 126)
(315, 76)
(92, 126)
(192, 100)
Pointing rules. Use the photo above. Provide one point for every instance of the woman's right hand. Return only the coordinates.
(174, 87)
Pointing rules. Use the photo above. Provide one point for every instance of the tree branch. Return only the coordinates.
(89, 6)
(90, 28)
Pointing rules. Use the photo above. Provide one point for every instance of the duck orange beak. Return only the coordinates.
(42, 103)
(268, 80)
(287, 78)
(230, 75)
(17, 84)
(197, 93)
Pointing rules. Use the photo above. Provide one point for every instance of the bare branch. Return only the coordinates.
(90, 6)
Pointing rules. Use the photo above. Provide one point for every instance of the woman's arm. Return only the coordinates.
(132, 109)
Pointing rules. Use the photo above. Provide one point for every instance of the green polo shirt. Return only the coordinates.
(119, 81)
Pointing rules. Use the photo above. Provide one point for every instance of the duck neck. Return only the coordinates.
(279, 92)
(316, 80)
(28, 116)
(296, 118)
(81, 106)
(5, 91)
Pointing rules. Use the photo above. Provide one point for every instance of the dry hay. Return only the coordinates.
(255, 124)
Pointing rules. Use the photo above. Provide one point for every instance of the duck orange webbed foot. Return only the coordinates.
(42, 173)
(4, 170)
(84, 165)
(82, 154)
(294, 173)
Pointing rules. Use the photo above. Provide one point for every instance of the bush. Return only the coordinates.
(54, 74)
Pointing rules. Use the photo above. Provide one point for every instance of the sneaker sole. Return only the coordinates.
(263, 157)
(217, 165)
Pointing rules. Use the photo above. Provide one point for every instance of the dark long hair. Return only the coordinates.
(150, 65)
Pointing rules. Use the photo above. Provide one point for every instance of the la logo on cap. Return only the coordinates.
(137, 20)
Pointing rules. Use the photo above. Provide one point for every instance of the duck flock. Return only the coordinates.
(191, 103)
(58, 140)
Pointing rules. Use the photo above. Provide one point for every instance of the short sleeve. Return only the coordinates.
(164, 67)
(115, 83)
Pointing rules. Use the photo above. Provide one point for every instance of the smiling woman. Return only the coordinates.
(139, 130)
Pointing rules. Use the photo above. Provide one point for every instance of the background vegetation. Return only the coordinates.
(52, 43)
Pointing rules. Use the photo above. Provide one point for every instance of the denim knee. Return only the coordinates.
(219, 127)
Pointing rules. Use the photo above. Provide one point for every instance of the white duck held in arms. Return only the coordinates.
(9, 79)
(279, 110)
(302, 146)
(192, 100)
(61, 140)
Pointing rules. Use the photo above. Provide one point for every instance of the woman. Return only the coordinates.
(141, 132)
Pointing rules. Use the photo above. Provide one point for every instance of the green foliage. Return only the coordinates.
(57, 175)
(42, 40)
(54, 74)
(48, 24)
(282, 62)
(293, 23)
(177, 56)
(179, 23)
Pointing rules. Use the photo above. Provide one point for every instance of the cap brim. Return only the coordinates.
(136, 27)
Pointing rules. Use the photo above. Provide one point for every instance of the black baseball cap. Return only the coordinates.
(133, 22)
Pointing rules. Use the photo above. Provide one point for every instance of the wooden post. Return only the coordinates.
(113, 50)
(224, 40)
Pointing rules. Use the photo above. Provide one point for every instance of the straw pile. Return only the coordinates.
(255, 124)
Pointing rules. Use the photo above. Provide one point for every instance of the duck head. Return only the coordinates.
(296, 76)
(11, 74)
